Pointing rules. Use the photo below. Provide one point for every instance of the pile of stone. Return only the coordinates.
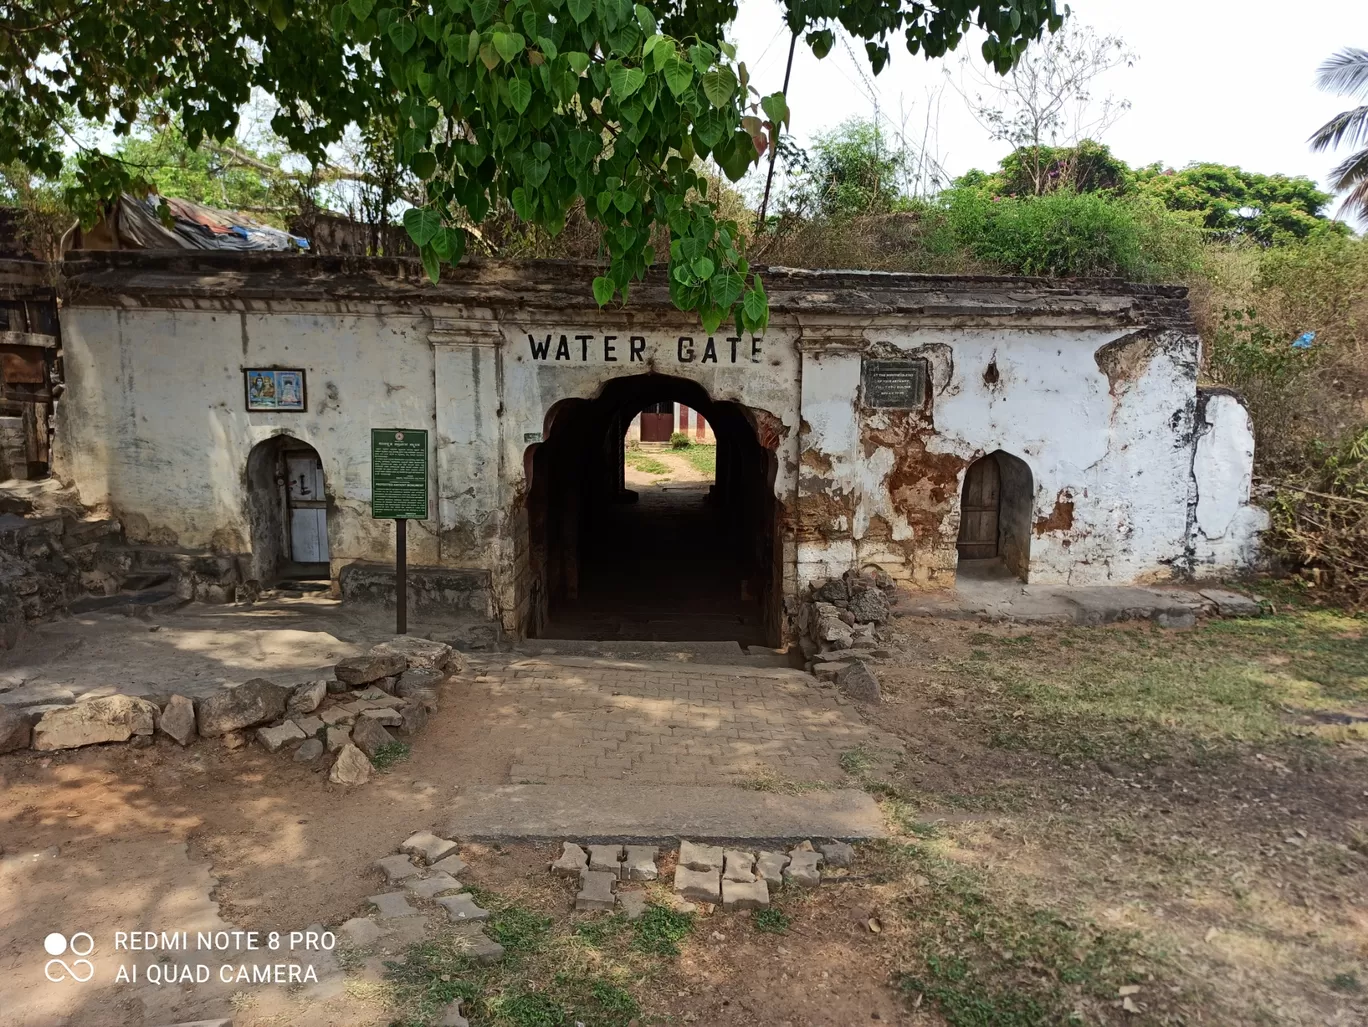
(392, 687)
(838, 631)
(710, 875)
(424, 871)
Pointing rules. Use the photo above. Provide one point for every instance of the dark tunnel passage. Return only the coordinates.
(685, 565)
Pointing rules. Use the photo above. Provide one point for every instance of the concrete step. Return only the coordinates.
(661, 814)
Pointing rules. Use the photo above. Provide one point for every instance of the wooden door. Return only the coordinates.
(978, 535)
(657, 422)
(308, 509)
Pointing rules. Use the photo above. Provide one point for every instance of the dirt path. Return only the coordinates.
(678, 470)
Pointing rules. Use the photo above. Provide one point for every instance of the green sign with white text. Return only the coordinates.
(399, 474)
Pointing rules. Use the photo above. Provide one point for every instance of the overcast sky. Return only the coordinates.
(1217, 80)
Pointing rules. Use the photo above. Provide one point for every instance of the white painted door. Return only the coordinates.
(308, 509)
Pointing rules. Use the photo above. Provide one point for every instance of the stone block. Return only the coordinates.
(351, 767)
(372, 694)
(429, 846)
(251, 703)
(1232, 604)
(462, 908)
(360, 932)
(177, 720)
(698, 885)
(311, 726)
(837, 854)
(309, 750)
(336, 687)
(385, 718)
(363, 670)
(392, 905)
(306, 697)
(113, 718)
(397, 868)
(633, 902)
(420, 686)
(857, 680)
(385, 685)
(433, 885)
(738, 895)
(640, 863)
(572, 861)
(336, 737)
(870, 607)
(418, 653)
(478, 946)
(607, 858)
(15, 732)
(700, 857)
(413, 717)
(450, 865)
(369, 735)
(596, 890)
(273, 738)
(828, 670)
(335, 715)
(770, 866)
(802, 871)
(739, 866)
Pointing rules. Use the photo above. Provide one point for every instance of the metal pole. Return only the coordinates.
(774, 149)
(400, 576)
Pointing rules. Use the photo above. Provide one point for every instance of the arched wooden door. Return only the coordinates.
(980, 503)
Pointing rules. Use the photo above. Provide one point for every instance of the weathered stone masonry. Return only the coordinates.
(1113, 467)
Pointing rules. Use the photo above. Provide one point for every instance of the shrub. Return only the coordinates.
(680, 440)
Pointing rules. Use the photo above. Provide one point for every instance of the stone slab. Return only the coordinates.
(462, 908)
(392, 905)
(481, 948)
(1232, 604)
(770, 866)
(450, 865)
(633, 902)
(697, 856)
(698, 885)
(431, 887)
(739, 866)
(572, 861)
(429, 846)
(397, 868)
(744, 895)
(629, 813)
(596, 890)
(606, 858)
(640, 863)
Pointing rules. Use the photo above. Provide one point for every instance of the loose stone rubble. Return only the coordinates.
(838, 631)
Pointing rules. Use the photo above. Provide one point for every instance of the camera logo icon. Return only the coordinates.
(79, 970)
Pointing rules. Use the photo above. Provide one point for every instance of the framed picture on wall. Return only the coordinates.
(274, 388)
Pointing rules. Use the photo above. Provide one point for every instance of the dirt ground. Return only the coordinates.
(1096, 826)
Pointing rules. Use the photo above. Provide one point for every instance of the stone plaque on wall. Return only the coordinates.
(894, 384)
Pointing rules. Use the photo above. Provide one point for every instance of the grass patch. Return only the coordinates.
(985, 960)
(771, 921)
(659, 931)
(518, 930)
(1136, 694)
(389, 755)
(601, 930)
(647, 464)
(702, 457)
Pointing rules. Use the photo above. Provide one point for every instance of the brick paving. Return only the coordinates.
(585, 720)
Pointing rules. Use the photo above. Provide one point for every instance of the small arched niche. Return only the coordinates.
(995, 518)
(287, 510)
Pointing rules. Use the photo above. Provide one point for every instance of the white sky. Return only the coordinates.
(1229, 81)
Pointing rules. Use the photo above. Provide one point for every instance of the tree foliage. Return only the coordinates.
(538, 103)
(1346, 74)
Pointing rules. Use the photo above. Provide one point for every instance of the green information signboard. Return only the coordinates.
(399, 474)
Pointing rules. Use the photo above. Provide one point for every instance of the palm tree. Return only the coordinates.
(1346, 74)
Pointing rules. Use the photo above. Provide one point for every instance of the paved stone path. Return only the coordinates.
(591, 720)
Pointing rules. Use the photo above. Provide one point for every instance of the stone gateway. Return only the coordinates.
(905, 422)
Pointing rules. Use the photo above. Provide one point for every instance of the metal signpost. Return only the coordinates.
(399, 492)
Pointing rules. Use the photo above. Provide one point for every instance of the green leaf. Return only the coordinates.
(710, 128)
(646, 20)
(579, 9)
(821, 42)
(663, 53)
(449, 244)
(776, 109)
(711, 318)
(726, 288)
(678, 75)
(578, 61)
(548, 48)
(703, 268)
(625, 81)
(278, 16)
(537, 171)
(509, 45)
(519, 93)
(603, 290)
(489, 57)
(422, 224)
(483, 10)
(424, 164)
(432, 264)
(719, 85)
(522, 204)
(624, 201)
(403, 34)
(361, 8)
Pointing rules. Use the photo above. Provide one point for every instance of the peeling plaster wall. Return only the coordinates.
(1113, 452)
(1225, 526)
(153, 422)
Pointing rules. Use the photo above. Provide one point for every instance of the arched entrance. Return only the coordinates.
(677, 564)
(287, 509)
(995, 518)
